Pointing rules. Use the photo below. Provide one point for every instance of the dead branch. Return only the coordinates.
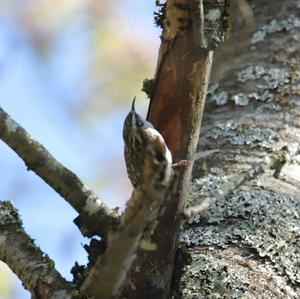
(34, 268)
(95, 217)
(106, 279)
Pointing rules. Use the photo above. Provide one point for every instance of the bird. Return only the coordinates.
(140, 136)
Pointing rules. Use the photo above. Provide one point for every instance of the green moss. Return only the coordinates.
(226, 22)
(148, 87)
(279, 159)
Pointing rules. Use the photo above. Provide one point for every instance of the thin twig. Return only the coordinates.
(34, 268)
(95, 217)
(274, 161)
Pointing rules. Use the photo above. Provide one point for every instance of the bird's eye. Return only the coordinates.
(139, 123)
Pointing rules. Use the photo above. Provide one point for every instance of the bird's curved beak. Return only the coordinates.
(133, 104)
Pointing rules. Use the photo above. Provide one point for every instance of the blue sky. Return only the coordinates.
(43, 95)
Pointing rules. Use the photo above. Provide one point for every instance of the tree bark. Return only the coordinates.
(176, 109)
(34, 268)
(246, 245)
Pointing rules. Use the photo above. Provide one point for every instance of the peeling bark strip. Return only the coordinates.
(176, 109)
(95, 217)
(34, 268)
(197, 11)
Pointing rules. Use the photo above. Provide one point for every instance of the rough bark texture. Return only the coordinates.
(107, 277)
(35, 269)
(176, 109)
(247, 245)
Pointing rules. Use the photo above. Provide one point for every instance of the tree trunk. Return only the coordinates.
(247, 245)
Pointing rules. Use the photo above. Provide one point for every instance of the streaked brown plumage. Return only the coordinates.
(138, 134)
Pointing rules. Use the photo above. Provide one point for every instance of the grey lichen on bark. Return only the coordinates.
(176, 107)
(247, 244)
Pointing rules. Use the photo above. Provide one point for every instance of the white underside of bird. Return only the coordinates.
(155, 134)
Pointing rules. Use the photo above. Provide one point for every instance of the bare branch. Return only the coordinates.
(95, 217)
(34, 268)
(107, 277)
(274, 161)
(234, 184)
